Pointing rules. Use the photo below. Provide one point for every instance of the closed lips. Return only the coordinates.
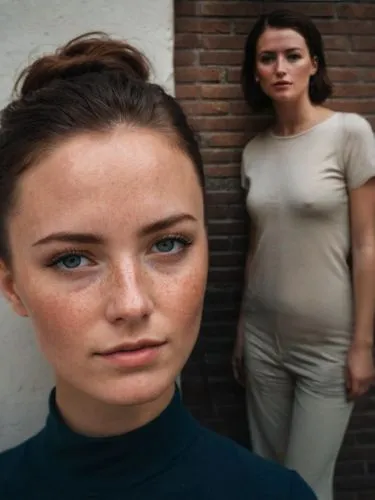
(145, 344)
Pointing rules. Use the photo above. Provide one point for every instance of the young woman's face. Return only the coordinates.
(283, 65)
(109, 260)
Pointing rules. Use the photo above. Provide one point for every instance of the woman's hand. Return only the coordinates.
(238, 364)
(360, 370)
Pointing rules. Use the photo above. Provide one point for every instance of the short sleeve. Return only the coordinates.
(299, 489)
(358, 150)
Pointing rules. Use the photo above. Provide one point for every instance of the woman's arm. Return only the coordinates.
(362, 221)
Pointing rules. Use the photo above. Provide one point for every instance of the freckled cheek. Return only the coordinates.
(59, 320)
(185, 300)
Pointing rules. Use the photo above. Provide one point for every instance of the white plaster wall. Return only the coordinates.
(28, 28)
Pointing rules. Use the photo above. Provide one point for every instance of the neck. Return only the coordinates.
(292, 118)
(90, 417)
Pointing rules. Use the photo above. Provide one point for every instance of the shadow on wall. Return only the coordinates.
(25, 380)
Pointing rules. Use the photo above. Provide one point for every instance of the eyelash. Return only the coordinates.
(268, 59)
(71, 252)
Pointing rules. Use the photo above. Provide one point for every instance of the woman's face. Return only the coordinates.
(109, 260)
(283, 65)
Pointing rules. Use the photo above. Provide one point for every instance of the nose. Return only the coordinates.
(128, 295)
(280, 66)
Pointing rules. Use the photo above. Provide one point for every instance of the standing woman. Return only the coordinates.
(305, 332)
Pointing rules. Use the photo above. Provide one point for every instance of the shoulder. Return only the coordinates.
(356, 125)
(256, 142)
(15, 466)
(230, 464)
(11, 459)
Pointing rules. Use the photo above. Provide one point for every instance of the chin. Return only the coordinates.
(283, 98)
(135, 389)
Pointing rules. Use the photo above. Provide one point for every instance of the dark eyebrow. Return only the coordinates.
(70, 237)
(293, 49)
(88, 238)
(166, 223)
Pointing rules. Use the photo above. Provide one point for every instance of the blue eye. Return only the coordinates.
(171, 245)
(70, 262)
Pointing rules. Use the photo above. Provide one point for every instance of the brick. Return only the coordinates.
(336, 42)
(197, 74)
(234, 75)
(227, 259)
(188, 92)
(216, 108)
(225, 140)
(214, 42)
(222, 275)
(220, 156)
(222, 170)
(184, 57)
(350, 467)
(184, 8)
(242, 27)
(345, 496)
(350, 58)
(219, 243)
(352, 11)
(222, 183)
(187, 41)
(228, 8)
(221, 92)
(362, 421)
(366, 437)
(240, 244)
(349, 27)
(194, 25)
(343, 74)
(353, 105)
(313, 9)
(239, 108)
(227, 58)
(225, 123)
(358, 90)
(364, 496)
(367, 74)
(224, 197)
(364, 42)
(356, 483)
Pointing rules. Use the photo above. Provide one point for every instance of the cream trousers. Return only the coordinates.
(296, 398)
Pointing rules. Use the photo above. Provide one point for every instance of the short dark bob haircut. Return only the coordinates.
(320, 87)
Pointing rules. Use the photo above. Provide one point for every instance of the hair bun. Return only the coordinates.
(93, 52)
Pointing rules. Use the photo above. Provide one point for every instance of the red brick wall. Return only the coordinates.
(208, 52)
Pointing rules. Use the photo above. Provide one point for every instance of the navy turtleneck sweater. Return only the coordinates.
(171, 458)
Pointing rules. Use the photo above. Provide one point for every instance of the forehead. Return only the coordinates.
(108, 180)
(276, 39)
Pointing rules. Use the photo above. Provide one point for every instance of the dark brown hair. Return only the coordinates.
(92, 83)
(320, 87)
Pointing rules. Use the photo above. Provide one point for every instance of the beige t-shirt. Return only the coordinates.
(298, 198)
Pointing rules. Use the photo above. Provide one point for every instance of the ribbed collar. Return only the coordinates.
(123, 460)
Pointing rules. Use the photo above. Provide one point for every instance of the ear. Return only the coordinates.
(315, 65)
(9, 290)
